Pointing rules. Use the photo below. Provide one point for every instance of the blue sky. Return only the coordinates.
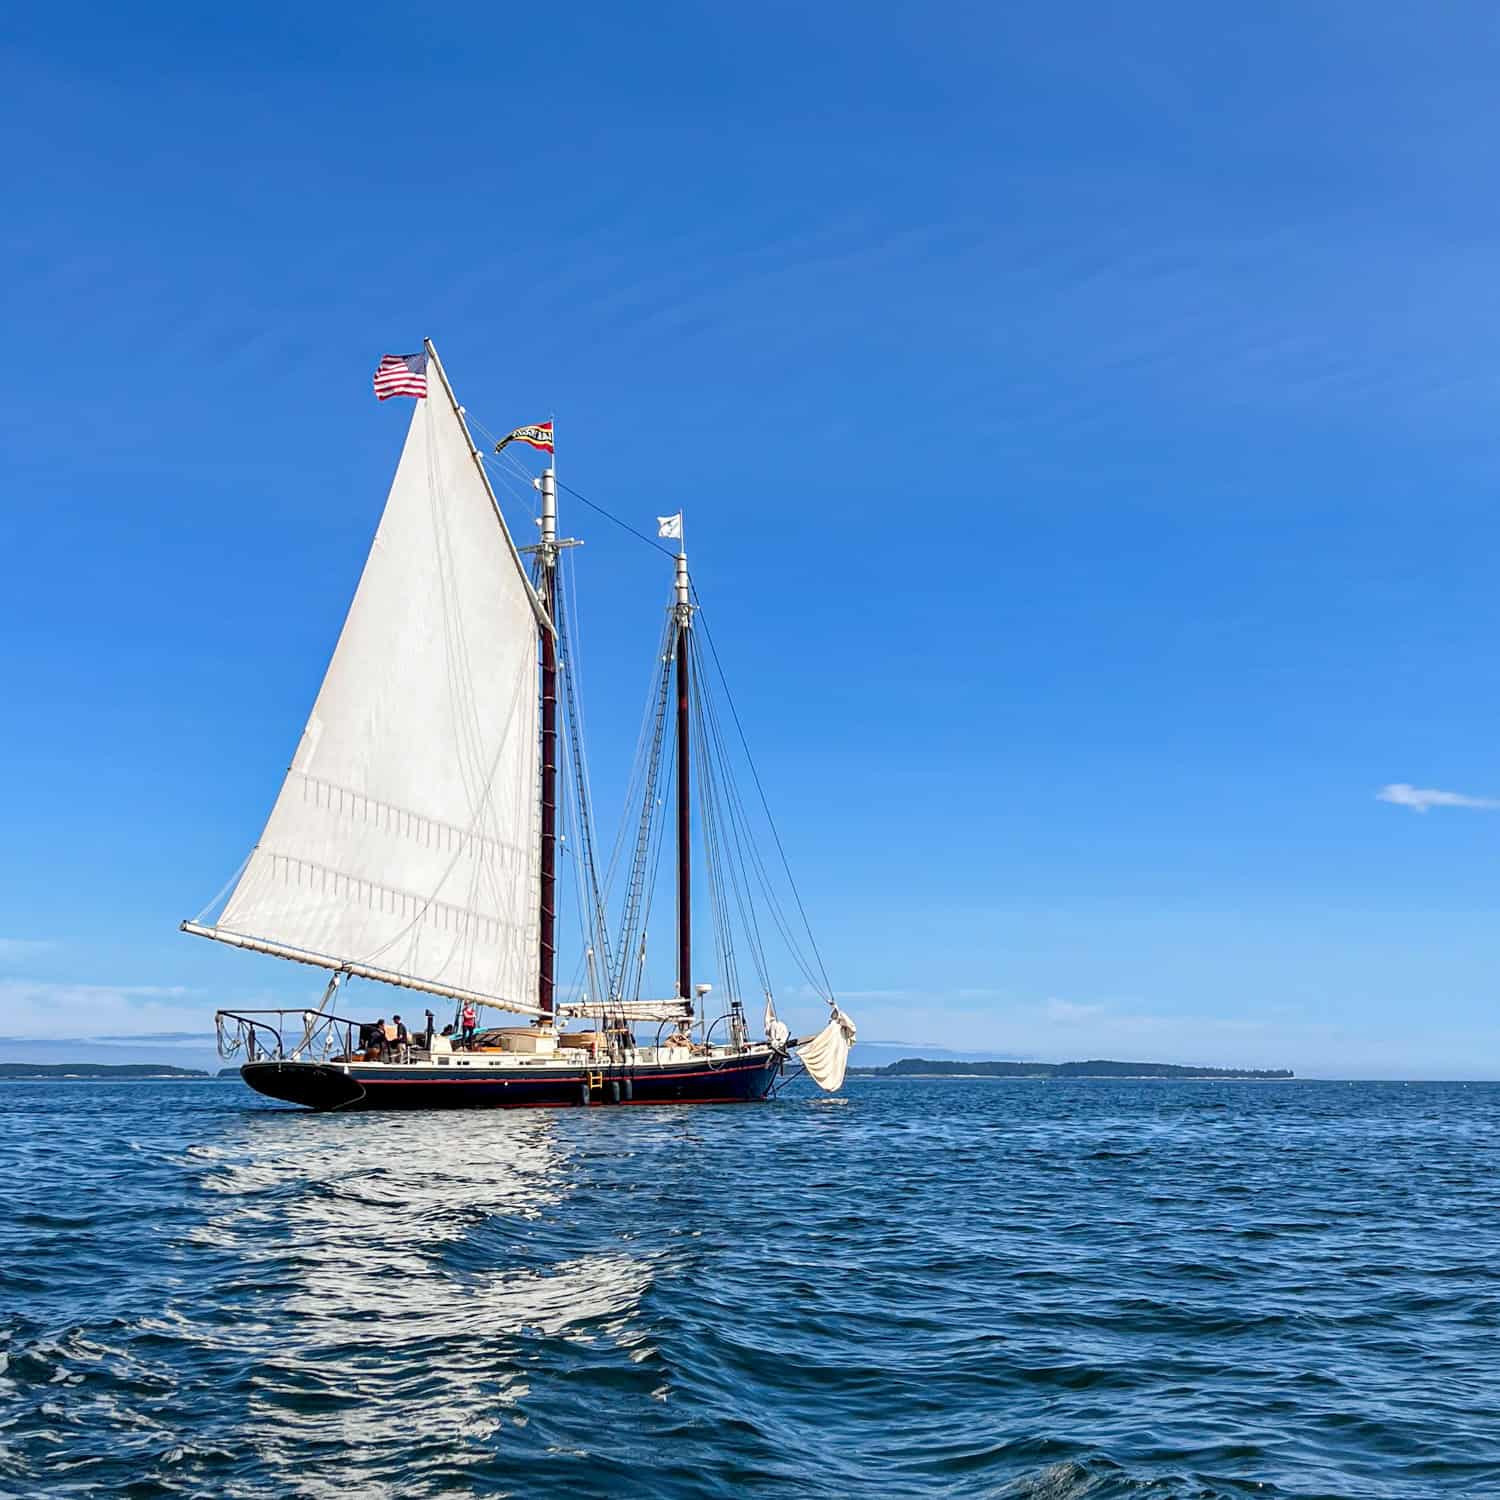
(1085, 417)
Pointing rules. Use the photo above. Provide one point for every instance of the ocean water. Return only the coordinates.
(1046, 1290)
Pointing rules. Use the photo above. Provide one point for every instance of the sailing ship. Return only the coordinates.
(415, 839)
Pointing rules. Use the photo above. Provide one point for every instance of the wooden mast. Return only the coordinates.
(547, 926)
(684, 792)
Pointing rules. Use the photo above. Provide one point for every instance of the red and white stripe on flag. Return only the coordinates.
(539, 436)
(401, 375)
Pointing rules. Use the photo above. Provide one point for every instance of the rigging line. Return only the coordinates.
(726, 837)
(738, 866)
(718, 862)
(765, 805)
(653, 730)
(582, 812)
(642, 889)
(610, 516)
(745, 840)
(567, 601)
(647, 866)
(504, 456)
(225, 889)
(588, 934)
(524, 497)
(641, 761)
(567, 807)
(740, 823)
(661, 842)
(576, 696)
(519, 484)
(520, 475)
(708, 798)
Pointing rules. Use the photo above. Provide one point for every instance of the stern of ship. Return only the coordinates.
(316, 1085)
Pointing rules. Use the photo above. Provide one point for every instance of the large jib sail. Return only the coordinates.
(404, 844)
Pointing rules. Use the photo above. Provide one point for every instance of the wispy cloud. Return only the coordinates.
(1421, 799)
(46, 1009)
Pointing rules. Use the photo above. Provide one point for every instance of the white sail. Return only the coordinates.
(826, 1056)
(630, 1010)
(405, 840)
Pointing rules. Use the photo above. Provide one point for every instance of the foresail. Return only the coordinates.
(405, 838)
(826, 1056)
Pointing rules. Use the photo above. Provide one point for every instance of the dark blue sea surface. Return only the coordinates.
(971, 1288)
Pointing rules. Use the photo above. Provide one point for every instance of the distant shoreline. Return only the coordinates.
(96, 1072)
(926, 1067)
(877, 1076)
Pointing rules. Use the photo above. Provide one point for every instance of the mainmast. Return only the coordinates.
(547, 588)
(684, 614)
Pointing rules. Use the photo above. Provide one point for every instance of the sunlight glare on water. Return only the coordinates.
(1043, 1290)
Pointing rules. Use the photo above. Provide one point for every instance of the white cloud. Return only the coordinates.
(1420, 799)
(38, 1008)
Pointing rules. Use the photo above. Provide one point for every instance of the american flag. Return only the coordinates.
(401, 375)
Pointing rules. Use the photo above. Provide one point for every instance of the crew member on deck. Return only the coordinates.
(469, 1018)
(402, 1041)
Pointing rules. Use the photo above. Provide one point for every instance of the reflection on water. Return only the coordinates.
(353, 1290)
(396, 1284)
(917, 1289)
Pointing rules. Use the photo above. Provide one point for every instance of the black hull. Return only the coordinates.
(335, 1086)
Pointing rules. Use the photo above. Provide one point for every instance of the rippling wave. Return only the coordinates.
(1051, 1291)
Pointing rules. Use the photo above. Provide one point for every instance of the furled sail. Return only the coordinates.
(630, 1010)
(405, 841)
(827, 1055)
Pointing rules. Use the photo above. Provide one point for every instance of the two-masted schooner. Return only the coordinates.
(415, 839)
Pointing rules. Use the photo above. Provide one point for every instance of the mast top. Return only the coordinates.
(548, 487)
(549, 544)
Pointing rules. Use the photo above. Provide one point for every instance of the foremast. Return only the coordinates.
(683, 615)
(547, 589)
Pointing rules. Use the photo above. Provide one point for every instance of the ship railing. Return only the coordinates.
(286, 1035)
